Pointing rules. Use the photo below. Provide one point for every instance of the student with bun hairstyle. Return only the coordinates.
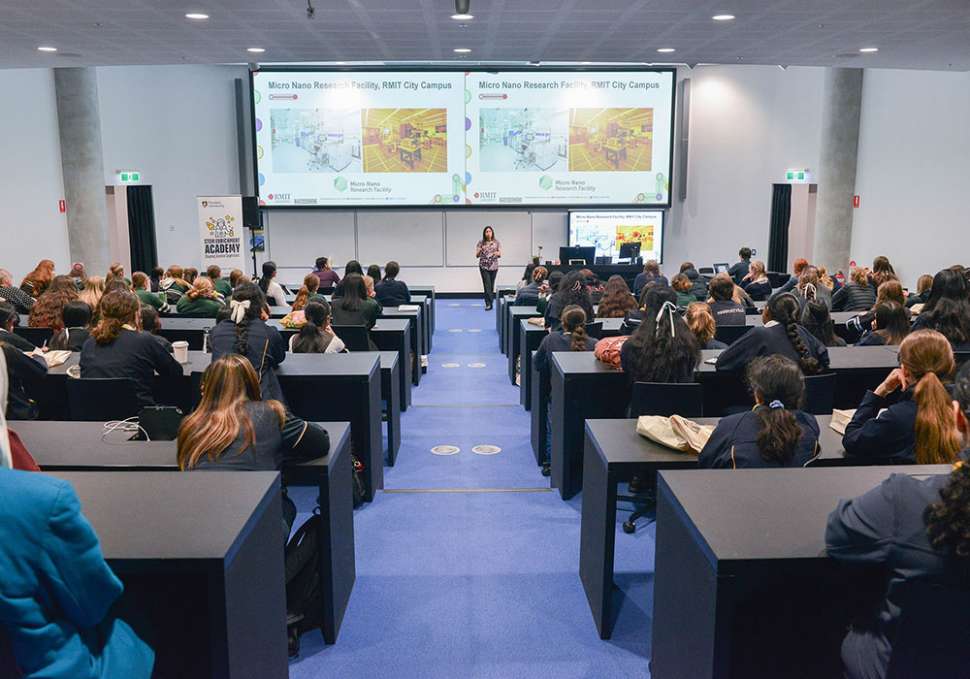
(116, 348)
(780, 334)
(529, 294)
(201, 301)
(916, 425)
(776, 432)
(316, 336)
(915, 528)
(662, 349)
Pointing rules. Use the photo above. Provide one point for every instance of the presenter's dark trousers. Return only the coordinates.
(488, 282)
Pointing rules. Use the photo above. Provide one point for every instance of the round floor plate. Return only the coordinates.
(451, 365)
(476, 365)
(486, 450)
(445, 450)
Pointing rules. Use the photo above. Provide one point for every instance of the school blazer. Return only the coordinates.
(734, 443)
(765, 341)
(890, 434)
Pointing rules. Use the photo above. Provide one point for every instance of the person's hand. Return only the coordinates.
(895, 380)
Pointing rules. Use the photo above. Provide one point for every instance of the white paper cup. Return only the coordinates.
(181, 348)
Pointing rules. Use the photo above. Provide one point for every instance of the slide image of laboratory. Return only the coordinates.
(522, 140)
(315, 140)
(611, 139)
(405, 139)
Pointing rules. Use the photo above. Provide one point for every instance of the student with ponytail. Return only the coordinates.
(780, 334)
(570, 337)
(908, 415)
(316, 336)
(914, 527)
(117, 347)
(308, 293)
(662, 349)
(572, 289)
(776, 432)
(245, 332)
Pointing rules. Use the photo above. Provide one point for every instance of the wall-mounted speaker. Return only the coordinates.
(683, 139)
(252, 217)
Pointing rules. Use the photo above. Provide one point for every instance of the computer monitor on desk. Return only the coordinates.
(630, 251)
(577, 255)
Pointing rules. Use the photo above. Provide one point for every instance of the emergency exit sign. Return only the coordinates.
(128, 176)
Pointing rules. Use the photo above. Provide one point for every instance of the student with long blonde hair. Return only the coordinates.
(917, 424)
(92, 292)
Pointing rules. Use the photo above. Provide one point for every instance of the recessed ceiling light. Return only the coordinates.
(462, 17)
(666, 50)
(197, 16)
(46, 48)
(723, 17)
(462, 50)
(868, 50)
(255, 50)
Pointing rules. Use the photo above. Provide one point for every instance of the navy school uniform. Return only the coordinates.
(554, 341)
(392, 292)
(770, 339)
(265, 349)
(131, 354)
(759, 291)
(734, 443)
(890, 434)
(727, 312)
(16, 341)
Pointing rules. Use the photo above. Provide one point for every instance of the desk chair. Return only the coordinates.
(932, 634)
(729, 334)
(663, 399)
(355, 337)
(595, 329)
(820, 394)
(101, 399)
(961, 357)
(36, 336)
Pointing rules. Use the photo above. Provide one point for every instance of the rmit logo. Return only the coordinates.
(486, 195)
(279, 196)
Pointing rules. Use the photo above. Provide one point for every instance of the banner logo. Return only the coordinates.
(220, 227)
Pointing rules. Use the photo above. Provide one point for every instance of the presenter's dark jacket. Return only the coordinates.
(885, 526)
(392, 292)
(854, 297)
(739, 271)
(554, 341)
(734, 443)
(727, 312)
(370, 310)
(890, 434)
(21, 301)
(200, 307)
(556, 306)
(265, 349)
(25, 375)
(16, 340)
(765, 341)
(135, 355)
(644, 279)
(759, 291)
(56, 592)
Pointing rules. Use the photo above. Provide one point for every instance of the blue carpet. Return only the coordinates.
(477, 584)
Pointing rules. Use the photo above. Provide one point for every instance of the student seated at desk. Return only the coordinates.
(151, 324)
(173, 284)
(77, 327)
(649, 277)
(220, 284)
(201, 301)
(142, 286)
(662, 348)
(547, 289)
(739, 271)
(701, 322)
(914, 526)
(781, 334)
(21, 301)
(25, 375)
(726, 311)
(245, 332)
(271, 289)
(353, 267)
(48, 310)
(572, 290)
(924, 284)
(856, 295)
(316, 336)
(776, 432)
(818, 321)
(947, 310)
(890, 325)
(356, 307)
(233, 428)
(325, 274)
(682, 286)
(756, 282)
(529, 294)
(116, 348)
(907, 416)
(391, 291)
(617, 301)
(37, 281)
(308, 293)
(8, 321)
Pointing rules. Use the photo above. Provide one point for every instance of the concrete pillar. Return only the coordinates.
(82, 162)
(841, 107)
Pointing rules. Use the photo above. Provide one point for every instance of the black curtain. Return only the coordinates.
(141, 229)
(778, 236)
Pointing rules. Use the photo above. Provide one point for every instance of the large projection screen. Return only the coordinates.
(351, 138)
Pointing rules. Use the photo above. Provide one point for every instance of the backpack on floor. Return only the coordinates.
(304, 595)
(360, 490)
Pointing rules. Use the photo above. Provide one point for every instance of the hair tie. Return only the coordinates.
(776, 404)
(238, 310)
(671, 308)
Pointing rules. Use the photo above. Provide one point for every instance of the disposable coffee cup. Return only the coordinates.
(181, 348)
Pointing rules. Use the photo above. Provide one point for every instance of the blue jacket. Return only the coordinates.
(887, 434)
(56, 588)
(734, 443)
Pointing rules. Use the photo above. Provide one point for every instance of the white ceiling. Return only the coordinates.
(925, 34)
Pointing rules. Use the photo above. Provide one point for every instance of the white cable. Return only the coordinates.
(128, 425)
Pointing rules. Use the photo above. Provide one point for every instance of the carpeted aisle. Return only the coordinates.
(468, 565)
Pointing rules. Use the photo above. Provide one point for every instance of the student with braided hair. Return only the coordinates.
(245, 332)
(916, 528)
(907, 417)
(781, 334)
(776, 432)
(662, 349)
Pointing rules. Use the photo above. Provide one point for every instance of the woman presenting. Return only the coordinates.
(488, 252)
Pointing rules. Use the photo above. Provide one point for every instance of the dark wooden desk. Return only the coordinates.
(742, 584)
(78, 447)
(201, 556)
(539, 413)
(516, 314)
(584, 388)
(394, 334)
(317, 387)
(615, 453)
(425, 304)
(429, 292)
(391, 395)
(418, 342)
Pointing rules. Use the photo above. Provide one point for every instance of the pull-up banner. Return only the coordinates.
(221, 232)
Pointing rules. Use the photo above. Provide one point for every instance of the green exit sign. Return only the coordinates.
(128, 176)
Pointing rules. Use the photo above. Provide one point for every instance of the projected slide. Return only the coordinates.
(359, 138)
(568, 138)
(608, 231)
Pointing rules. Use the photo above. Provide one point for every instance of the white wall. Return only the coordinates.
(914, 171)
(177, 125)
(32, 228)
